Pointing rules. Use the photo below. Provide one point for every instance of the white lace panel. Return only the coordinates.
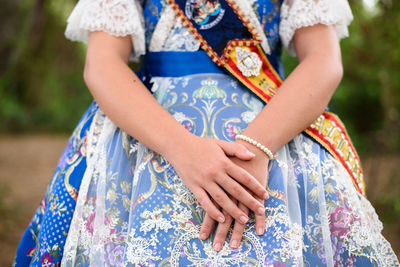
(171, 35)
(115, 17)
(134, 210)
(296, 14)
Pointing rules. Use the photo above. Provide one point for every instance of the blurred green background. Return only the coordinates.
(42, 90)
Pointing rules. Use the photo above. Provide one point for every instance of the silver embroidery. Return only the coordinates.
(248, 62)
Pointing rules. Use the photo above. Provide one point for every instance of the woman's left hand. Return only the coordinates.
(258, 167)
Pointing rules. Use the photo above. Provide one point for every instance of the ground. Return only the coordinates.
(27, 164)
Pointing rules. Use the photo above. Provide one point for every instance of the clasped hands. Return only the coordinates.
(228, 179)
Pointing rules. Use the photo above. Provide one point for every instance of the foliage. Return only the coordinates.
(368, 98)
(41, 85)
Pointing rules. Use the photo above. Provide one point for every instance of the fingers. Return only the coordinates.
(248, 180)
(235, 149)
(223, 228)
(238, 229)
(207, 226)
(260, 222)
(208, 206)
(222, 231)
(241, 194)
(260, 218)
(222, 199)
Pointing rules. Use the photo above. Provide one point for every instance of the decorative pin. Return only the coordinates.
(248, 62)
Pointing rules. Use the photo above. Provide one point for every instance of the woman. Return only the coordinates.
(164, 163)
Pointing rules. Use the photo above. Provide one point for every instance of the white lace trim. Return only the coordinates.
(313, 186)
(296, 14)
(99, 134)
(115, 17)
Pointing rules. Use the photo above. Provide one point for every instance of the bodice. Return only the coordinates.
(175, 37)
(153, 26)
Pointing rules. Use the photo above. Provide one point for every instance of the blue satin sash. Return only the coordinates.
(177, 64)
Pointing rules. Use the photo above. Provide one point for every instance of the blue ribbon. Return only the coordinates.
(177, 64)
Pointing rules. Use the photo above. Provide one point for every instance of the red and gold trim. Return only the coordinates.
(327, 130)
(246, 21)
(203, 43)
(266, 83)
(331, 133)
(186, 22)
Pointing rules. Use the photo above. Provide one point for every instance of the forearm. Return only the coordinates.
(300, 100)
(201, 163)
(304, 94)
(137, 111)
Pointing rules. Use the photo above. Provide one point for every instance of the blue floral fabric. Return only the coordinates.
(43, 241)
(134, 210)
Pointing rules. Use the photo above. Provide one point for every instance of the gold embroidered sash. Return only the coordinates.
(245, 59)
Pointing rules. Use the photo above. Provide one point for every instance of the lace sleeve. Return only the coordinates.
(302, 13)
(115, 17)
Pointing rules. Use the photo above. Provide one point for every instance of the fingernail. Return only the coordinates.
(251, 153)
(260, 211)
(266, 195)
(234, 244)
(203, 236)
(221, 219)
(217, 246)
(243, 219)
(260, 231)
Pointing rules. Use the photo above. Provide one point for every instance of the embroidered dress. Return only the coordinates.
(114, 202)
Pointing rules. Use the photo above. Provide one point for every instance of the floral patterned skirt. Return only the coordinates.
(132, 209)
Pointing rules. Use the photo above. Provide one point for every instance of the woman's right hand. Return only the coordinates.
(202, 163)
(205, 168)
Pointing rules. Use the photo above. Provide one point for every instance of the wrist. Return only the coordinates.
(176, 146)
(256, 144)
(258, 153)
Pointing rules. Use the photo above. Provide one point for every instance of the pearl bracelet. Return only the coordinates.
(260, 146)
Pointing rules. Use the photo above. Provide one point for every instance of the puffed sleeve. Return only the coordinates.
(296, 14)
(115, 17)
